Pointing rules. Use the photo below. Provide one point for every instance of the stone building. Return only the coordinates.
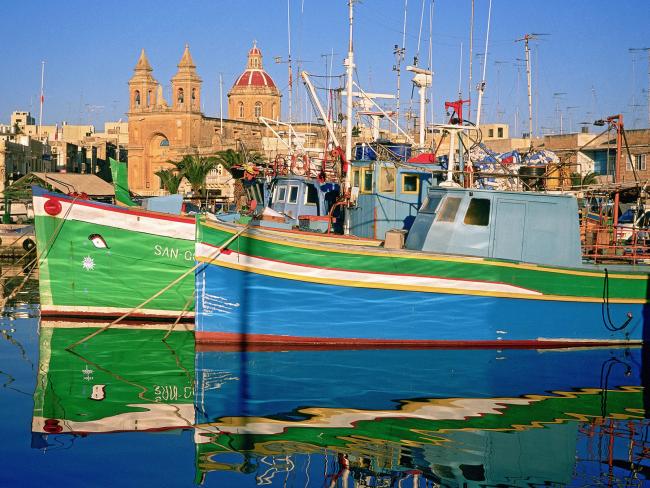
(21, 154)
(160, 131)
(254, 94)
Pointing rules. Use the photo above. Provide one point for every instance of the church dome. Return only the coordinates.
(254, 76)
(254, 94)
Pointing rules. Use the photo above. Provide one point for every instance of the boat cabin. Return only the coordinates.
(292, 201)
(520, 226)
(387, 196)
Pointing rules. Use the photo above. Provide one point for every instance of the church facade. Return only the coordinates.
(161, 130)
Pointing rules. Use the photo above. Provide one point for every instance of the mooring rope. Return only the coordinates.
(216, 254)
(607, 319)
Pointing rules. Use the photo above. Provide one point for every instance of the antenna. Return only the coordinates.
(647, 51)
(526, 38)
(558, 112)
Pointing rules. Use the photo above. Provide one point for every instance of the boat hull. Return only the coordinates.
(100, 260)
(265, 289)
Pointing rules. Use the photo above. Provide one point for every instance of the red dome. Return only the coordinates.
(255, 50)
(255, 77)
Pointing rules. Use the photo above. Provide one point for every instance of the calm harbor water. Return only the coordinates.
(148, 407)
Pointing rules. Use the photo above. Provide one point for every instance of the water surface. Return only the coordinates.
(146, 407)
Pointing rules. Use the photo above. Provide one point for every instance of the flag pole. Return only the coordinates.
(40, 116)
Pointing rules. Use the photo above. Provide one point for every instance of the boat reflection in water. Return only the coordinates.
(450, 417)
(123, 379)
(320, 417)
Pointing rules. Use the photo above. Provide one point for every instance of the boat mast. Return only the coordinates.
(349, 64)
(481, 85)
(471, 50)
(290, 70)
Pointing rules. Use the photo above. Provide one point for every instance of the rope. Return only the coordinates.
(607, 319)
(218, 251)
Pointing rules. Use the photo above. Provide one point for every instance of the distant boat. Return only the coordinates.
(480, 267)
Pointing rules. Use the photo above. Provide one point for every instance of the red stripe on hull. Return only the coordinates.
(125, 210)
(99, 316)
(223, 341)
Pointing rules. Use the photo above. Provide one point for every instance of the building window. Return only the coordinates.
(274, 114)
(478, 212)
(136, 98)
(410, 183)
(193, 94)
(241, 109)
(164, 143)
(180, 96)
(499, 131)
(258, 109)
(490, 132)
(640, 162)
(255, 63)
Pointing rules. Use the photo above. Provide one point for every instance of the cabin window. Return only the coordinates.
(478, 212)
(255, 192)
(281, 194)
(311, 195)
(356, 176)
(293, 194)
(366, 182)
(410, 183)
(448, 209)
(387, 179)
(430, 204)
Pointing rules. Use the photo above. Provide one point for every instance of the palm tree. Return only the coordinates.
(195, 169)
(230, 158)
(577, 180)
(170, 179)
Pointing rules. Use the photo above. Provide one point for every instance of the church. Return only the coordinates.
(161, 130)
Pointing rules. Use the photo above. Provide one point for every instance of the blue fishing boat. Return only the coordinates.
(479, 267)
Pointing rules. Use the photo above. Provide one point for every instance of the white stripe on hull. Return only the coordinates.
(309, 273)
(126, 221)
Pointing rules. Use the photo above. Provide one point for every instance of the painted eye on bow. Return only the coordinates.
(98, 241)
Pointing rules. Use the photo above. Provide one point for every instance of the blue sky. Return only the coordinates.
(90, 49)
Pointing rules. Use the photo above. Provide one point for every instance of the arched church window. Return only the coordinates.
(164, 143)
(255, 63)
(274, 114)
(241, 109)
(193, 94)
(136, 98)
(258, 109)
(149, 97)
(180, 97)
